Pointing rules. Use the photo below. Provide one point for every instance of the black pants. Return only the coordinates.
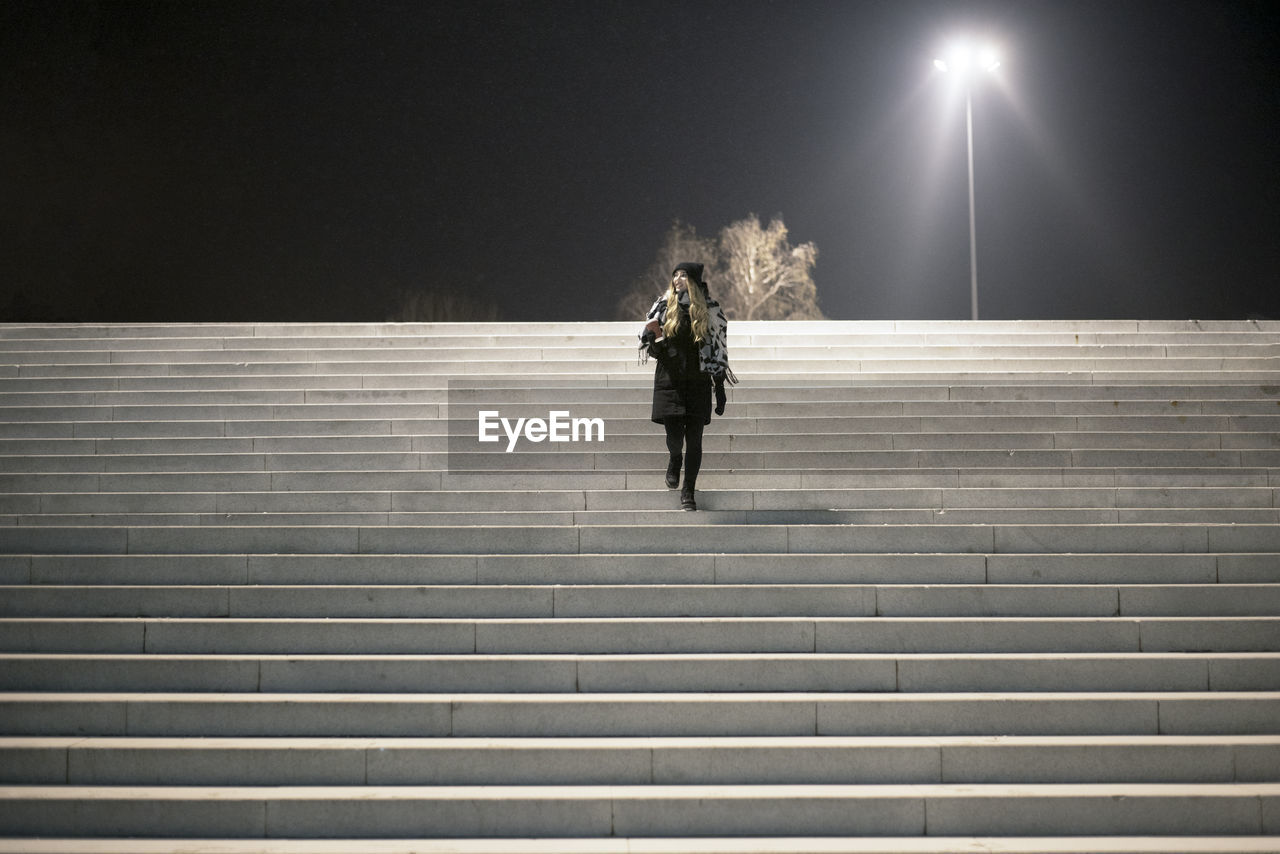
(687, 432)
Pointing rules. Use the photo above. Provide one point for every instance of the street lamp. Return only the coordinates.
(967, 63)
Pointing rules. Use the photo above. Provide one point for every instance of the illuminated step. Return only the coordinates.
(653, 810)
(729, 760)
(685, 714)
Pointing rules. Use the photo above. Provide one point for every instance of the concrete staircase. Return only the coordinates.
(984, 586)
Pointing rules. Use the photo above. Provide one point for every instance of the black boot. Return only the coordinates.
(686, 498)
(673, 471)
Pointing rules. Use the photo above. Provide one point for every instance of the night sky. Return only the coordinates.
(275, 161)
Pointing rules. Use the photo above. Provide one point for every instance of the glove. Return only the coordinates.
(720, 396)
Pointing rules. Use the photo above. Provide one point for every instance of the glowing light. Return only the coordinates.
(962, 58)
(965, 60)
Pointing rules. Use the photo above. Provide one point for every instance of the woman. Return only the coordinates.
(686, 334)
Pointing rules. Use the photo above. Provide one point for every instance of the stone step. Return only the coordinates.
(427, 386)
(710, 481)
(575, 328)
(635, 437)
(761, 358)
(728, 568)
(654, 810)
(638, 412)
(939, 498)
(622, 334)
(646, 539)
(664, 672)
(517, 500)
(556, 459)
(754, 326)
(1170, 388)
(108, 761)
(116, 712)
(251, 360)
(333, 374)
(185, 351)
(728, 425)
(636, 635)
(748, 365)
(672, 515)
(536, 345)
(691, 845)
(617, 441)
(1158, 388)
(550, 388)
(661, 600)
(661, 509)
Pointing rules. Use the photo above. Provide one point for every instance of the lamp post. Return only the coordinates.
(963, 62)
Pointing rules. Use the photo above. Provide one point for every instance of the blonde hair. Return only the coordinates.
(698, 314)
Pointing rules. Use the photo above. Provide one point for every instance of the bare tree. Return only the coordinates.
(412, 306)
(765, 277)
(753, 272)
(682, 243)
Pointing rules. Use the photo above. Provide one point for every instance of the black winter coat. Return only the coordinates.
(680, 387)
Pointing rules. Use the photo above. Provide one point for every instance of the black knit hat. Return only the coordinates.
(694, 270)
